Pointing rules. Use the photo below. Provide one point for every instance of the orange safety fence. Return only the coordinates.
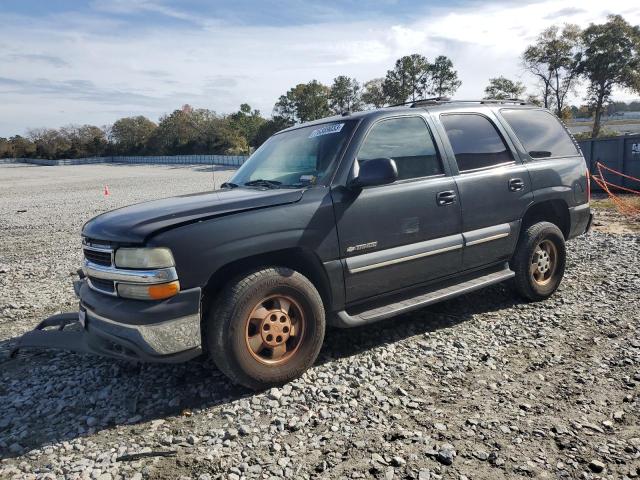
(623, 204)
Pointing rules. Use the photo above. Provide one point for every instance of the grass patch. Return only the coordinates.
(607, 204)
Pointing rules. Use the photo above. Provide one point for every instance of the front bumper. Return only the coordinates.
(165, 331)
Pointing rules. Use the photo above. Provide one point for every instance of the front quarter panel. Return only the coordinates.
(200, 249)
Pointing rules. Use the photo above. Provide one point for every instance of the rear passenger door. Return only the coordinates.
(493, 184)
(405, 233)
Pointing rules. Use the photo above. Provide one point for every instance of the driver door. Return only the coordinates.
(405, 233)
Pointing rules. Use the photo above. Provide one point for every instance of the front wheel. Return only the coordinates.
(266, 328)
(539, 261)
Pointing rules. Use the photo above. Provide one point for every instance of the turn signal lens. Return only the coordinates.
(164, 290)
(159, 291)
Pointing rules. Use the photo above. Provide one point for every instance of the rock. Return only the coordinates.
(481, 455)
(446, 456)
(275, 394)
(231, 434)
(596, 466)
(15, 448)
(92, 421)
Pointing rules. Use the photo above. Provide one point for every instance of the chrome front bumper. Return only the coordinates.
(166, 331)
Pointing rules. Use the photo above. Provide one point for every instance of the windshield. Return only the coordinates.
(296, 158)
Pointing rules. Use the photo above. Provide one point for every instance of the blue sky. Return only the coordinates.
(64, 62)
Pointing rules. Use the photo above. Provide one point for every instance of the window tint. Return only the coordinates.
(540, 133)
(476, 142)
(407, 141)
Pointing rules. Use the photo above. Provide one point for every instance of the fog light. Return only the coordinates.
(149, 292)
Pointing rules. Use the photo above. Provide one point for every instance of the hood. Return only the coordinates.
(135, 223)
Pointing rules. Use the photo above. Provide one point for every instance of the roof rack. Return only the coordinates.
(439, 100)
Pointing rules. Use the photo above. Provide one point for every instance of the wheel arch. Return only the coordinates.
(555, 211)
(299, 259)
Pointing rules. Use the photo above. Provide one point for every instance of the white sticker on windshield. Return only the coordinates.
(333, 128)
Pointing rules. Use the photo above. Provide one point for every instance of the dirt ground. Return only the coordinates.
(485, 386)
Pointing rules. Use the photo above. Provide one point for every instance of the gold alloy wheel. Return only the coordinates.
(275, 329)
(544, 262)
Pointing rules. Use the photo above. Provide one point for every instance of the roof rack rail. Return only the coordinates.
(438, 100)
(422, 101)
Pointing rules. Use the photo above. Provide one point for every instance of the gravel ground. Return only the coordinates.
(483, 386)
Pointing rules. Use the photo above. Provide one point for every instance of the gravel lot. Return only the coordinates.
(483, 386)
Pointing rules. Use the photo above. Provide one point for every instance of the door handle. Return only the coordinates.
(516, 184)
(445, 198)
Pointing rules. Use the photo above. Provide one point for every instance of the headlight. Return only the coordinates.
(158, 291)
(144, 258)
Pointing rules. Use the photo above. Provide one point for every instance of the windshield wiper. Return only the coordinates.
(263, 183)
(229, 185)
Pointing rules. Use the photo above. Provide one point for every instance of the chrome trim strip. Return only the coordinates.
(160, 275)
(404, 259)
(487, 239)
(486, 234)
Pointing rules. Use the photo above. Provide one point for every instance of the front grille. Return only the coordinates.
(104, 285)
(101, 258)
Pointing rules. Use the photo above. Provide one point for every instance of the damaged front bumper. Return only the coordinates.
(159, 331)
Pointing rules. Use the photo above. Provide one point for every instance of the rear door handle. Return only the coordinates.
(446, 198)
(516, 184)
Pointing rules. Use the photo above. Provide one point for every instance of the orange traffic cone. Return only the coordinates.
(106, 190)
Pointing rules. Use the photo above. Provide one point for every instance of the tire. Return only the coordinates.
(257, 316)
(539, 261)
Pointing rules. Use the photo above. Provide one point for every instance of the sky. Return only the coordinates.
(74, 62)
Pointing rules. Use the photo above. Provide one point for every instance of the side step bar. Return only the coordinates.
(406, 305)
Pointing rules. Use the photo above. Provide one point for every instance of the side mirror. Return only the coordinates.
(378, 171)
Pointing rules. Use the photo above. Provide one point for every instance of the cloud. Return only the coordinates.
(38, 58)
(145, 57)
(564, 12)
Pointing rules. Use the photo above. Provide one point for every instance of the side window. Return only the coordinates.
(407, 141)
(475, 140)
(540, 133)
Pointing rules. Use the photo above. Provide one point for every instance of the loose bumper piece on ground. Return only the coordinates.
(145, 331)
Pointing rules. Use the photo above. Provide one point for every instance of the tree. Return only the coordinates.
(444, 79)
(409, 79)
(130, 135)
(196, 131)
(304, 102)
(49, 142)
(22, 147)
(611, 59)
(6, 149)
(344, 95)
(553, 59)
(502, 88)
(84, 141)
(246, 123)
(269, 127)
(373, 94)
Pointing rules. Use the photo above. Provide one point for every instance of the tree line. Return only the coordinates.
(602, 57)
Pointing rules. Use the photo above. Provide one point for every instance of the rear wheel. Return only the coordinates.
(539, 261)
(266, 328)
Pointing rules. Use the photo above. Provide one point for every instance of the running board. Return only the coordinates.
(407, 304)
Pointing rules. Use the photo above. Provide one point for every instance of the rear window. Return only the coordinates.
(540, 133)
(475, 141)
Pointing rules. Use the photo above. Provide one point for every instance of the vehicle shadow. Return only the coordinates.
(49, 397)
